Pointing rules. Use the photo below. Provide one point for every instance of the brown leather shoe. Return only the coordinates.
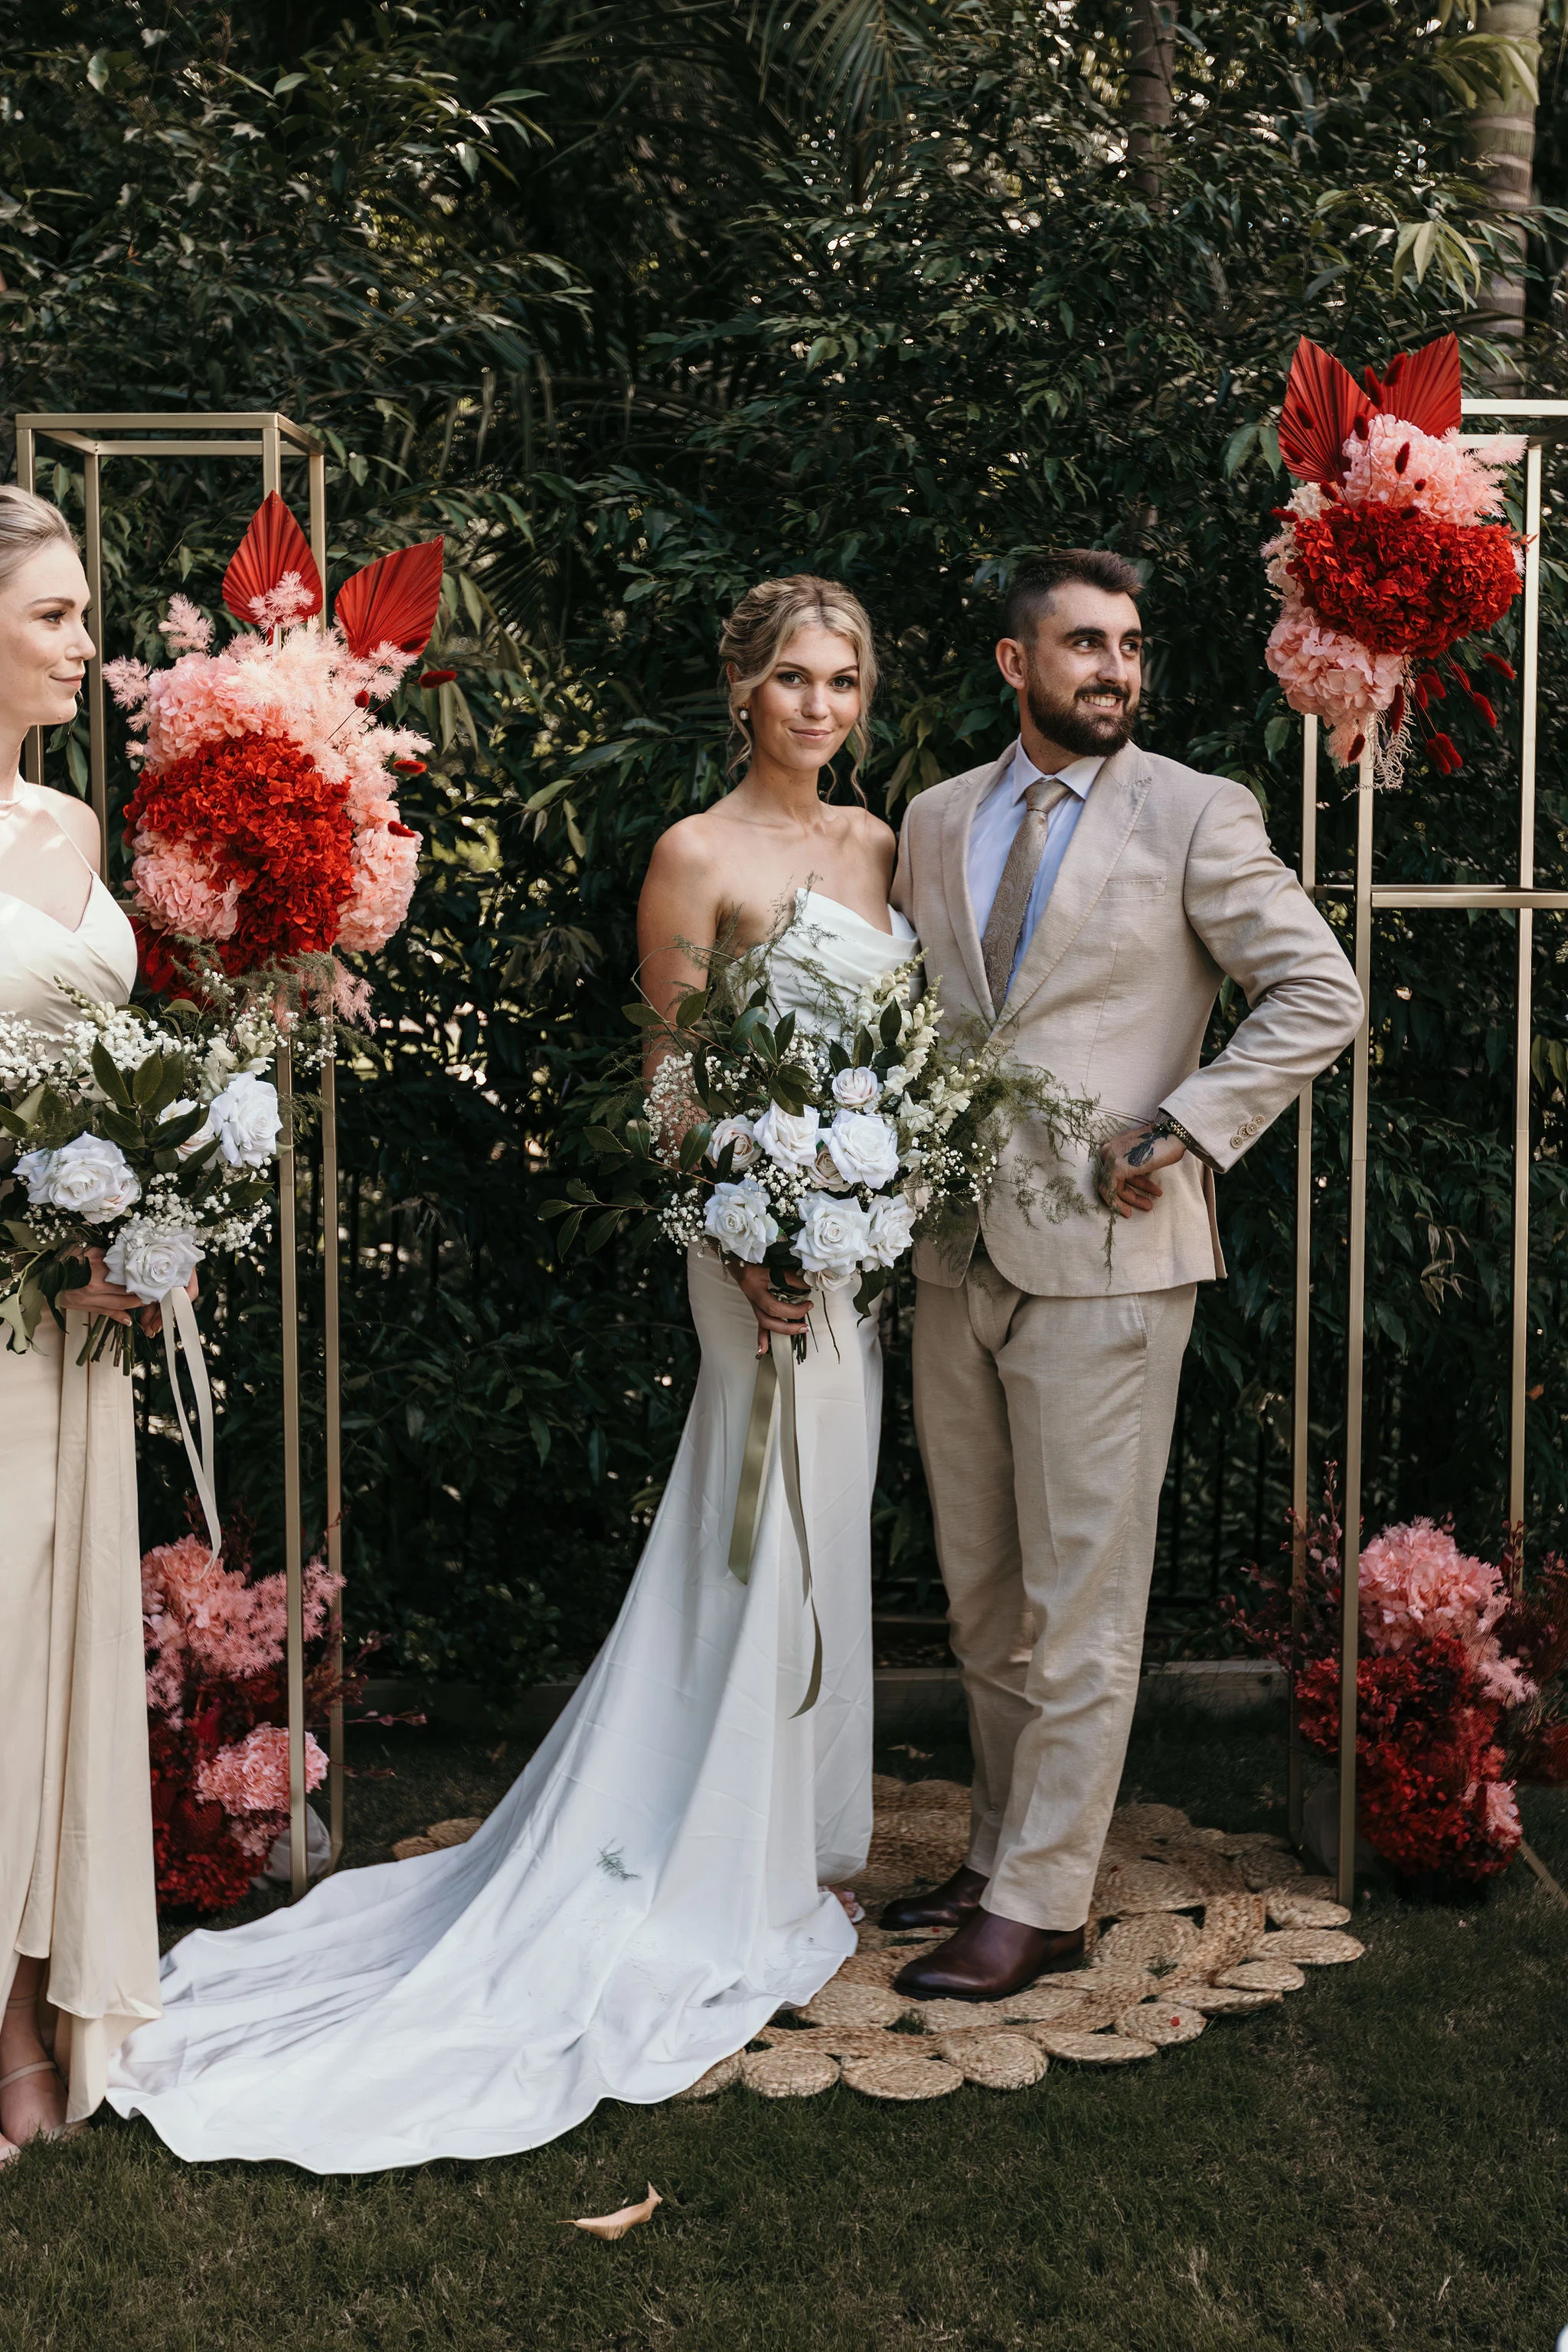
(988, 1958)
(947, 1906)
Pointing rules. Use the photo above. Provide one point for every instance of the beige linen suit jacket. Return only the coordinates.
(1168, 887)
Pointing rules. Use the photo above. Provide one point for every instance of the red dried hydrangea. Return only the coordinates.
(1401, 581)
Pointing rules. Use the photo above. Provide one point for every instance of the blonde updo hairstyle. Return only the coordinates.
(760, 628)
(28, 525)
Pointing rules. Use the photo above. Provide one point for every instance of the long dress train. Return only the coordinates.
(76, 1821)
(650, 1890)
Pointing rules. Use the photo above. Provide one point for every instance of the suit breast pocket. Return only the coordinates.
(1135, 884)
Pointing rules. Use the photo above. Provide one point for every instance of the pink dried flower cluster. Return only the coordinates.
(304, 685)
(252, 1777)
(215, 1620)
(1416, 1582)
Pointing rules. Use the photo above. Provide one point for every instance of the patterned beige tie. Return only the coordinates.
(1004, 924)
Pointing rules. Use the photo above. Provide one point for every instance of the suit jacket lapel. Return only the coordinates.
(1108, 815)
(956, 822)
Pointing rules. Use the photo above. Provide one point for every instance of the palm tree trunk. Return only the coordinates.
(1149, 101)
(1504, 135)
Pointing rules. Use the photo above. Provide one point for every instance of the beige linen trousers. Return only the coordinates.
(1045, 1381)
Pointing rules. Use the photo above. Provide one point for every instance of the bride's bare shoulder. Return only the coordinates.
(76, 819)
(689, 850)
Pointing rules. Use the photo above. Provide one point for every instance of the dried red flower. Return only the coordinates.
(438, 677)
(1400, 581)
(410, 766)
(1503, 668)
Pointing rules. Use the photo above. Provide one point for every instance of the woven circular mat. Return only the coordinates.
(1188, 1924)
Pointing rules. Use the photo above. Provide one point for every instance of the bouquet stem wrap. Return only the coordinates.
(182, 1335)
(775, 1377)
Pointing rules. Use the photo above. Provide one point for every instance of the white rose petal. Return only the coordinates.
(36, 1169)
(834, 1236)
(151, 1260)
(826, 1173)
(740, 1135)
(739, 1219)
(91, 1179)
(891, 1220)
(245, 1119)
(864, 1149)
(789, 1137)
(856, 1089)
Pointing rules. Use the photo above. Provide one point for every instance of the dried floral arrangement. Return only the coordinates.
(1389, 557)
(1461, 1692)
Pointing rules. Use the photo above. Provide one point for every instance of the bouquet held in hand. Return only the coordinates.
(147, 1136)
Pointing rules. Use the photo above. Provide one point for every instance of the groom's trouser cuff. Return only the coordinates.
(1045, 1426)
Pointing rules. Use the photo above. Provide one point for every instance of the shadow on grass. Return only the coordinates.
(1378, 2161)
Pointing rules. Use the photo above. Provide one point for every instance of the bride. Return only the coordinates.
(660, 1877)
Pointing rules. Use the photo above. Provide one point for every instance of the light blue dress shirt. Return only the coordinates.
(994, 828)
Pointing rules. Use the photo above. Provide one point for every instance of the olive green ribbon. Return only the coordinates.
(771, 1381)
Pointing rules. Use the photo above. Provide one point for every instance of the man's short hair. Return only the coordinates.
(1035, 580)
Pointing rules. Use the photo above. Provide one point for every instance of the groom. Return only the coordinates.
(1091, 896)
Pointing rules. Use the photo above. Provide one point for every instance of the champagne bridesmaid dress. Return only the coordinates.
(76, 1824)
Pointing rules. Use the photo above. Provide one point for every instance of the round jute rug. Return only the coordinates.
(1186, 1924)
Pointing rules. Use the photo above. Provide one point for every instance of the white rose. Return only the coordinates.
(789, 1137)
(856, 1089)
(825, 1173)
(197, 1142)
(864, 1149)
(739, 1134)
(35, 1168)
(834, 1236)
(151, 1260)
(739, 1219)
(90, 1178)
(245, 1119)
(891, 1220)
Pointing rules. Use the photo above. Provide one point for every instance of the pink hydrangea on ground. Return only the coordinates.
(213, 1623)
(1442, 477)
(252, 1777)
(1416, 1582)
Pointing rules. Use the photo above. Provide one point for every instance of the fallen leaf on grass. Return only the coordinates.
(616, 2225)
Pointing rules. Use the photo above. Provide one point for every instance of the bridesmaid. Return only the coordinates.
(78, 1931)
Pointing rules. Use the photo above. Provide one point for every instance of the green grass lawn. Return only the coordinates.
(1380, 2160)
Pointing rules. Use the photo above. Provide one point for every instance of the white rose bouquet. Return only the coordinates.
(147, 1135)
(823, 1149)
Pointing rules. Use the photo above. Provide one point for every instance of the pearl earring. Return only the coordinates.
(746, 710)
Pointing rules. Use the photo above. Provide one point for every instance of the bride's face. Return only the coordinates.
(44, 644)
(805, 708)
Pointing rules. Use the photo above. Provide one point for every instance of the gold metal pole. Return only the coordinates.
(318, 495)
(293, 1555)
(333, 1431)
(27, 476)
(1355, 1336)
(271, 456)
(97, 736)
(1529, 667)
(1301, 1380)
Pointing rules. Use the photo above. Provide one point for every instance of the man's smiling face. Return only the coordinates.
(1079, 675)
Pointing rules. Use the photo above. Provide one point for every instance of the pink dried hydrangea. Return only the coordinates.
(1335, 676)
(1440, 477)
(1416, 1582)
(252, 1777)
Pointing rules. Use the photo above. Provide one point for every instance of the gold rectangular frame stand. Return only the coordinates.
(1369, 899)
(270, 437)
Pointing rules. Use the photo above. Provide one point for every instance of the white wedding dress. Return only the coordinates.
(652, 1888)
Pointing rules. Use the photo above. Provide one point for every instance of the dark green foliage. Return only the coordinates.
(639, 303)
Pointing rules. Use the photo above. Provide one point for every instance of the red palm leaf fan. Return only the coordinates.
(1324, 405)
(392, 602)
(273, 544)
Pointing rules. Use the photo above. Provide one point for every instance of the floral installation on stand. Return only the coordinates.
(1460, 1688)
(822, 1147)
(1387, 558)
(148, 1135)
(265, 825)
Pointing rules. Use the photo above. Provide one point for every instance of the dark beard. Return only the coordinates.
(1088, 734)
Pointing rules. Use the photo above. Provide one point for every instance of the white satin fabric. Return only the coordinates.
(76, 1822)
(648, 1893)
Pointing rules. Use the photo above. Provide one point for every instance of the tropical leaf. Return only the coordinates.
(273, 545)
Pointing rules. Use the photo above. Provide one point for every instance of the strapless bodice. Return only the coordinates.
(817, 967)
(36, 954)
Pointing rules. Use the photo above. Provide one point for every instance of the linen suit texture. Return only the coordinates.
(1045, 1381)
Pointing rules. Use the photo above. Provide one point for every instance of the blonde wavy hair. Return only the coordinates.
(27, 523)
(759, 629)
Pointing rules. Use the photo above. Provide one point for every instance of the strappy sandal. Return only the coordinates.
(20, 2075)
